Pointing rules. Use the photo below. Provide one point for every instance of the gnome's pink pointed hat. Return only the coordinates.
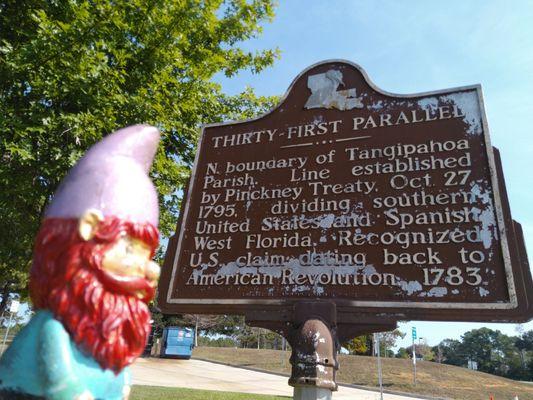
(112, 177)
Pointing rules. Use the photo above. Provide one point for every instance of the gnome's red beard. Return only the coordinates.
(102, 313)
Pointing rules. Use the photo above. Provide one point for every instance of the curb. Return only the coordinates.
(388, 391)
(416, 396)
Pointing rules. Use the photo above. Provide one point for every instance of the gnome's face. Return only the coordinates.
(126, 262)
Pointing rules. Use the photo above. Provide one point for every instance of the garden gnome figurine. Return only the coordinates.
(91, 278)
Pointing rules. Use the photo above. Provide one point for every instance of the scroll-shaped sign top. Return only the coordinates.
(385, 204)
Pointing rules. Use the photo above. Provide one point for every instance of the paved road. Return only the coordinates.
(197, 374)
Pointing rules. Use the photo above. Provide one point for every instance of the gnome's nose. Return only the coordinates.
(152, 271)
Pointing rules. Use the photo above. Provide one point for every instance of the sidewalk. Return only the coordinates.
(196, 374)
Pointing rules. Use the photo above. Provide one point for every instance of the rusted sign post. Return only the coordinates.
(344, 210)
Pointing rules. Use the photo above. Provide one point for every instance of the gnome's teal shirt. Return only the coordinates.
(43, 361)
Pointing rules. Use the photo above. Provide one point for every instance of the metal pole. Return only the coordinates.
(414, 362)
(7, 330)
(282, 352)
(311, 393)
(380, 374)
(196, 331)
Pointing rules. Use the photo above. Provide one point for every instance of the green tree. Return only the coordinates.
(493, 351)
(402, 353)
(388, 341)
(227, 325)
(360, 345)
(422, 350)
(451, 352)
(73, 71)
(525, 341)
(524, 346)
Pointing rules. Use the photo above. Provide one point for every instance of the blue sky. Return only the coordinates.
(412, 46)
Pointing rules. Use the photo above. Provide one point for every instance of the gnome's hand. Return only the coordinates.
(85, 396)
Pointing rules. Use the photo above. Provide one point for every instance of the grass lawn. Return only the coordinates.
(165, 393)
(434, 379)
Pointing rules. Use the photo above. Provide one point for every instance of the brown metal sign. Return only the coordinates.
(388, 205)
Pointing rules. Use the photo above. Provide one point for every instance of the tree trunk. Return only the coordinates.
(196, 332)
(5, 298)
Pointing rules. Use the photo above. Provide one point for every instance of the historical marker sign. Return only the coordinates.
(385, 204)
